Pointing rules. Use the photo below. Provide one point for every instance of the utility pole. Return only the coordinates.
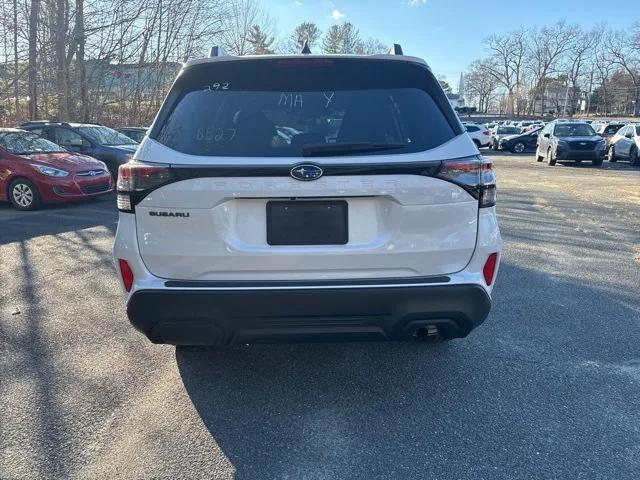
(566, 99)
(590, 93)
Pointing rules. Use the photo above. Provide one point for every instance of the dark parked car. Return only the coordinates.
(134, 133)
(570, 140)
(520, 143)
(34, 170)
(103, 143)
(499, 132)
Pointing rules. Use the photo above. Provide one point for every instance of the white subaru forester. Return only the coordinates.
(304, 198)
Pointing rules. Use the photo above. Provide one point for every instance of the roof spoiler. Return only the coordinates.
(396, 49)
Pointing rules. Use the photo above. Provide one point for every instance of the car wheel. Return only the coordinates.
(597, 162)
(24, 195)
(633, 157)
(551, 159)
(611, 155)
(539, 157)
(519, 147)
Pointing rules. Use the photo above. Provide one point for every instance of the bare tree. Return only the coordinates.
(480, 84)
(505, 65)
(34, 16)
(623, 51)
(547, 46)
(242, 16)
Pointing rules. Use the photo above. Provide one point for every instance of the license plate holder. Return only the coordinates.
(307, 222)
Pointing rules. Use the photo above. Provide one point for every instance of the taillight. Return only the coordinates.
(126, 274)
(475, 175)
(136, 179)
(489, 268)
(486, 132)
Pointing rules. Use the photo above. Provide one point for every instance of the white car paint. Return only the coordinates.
(412, 228)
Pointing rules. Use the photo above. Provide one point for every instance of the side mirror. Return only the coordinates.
(629, 135)
(546, 135)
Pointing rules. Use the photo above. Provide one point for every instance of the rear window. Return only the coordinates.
(278, 107)
(573, 130)
(508, 130)
(612, 129)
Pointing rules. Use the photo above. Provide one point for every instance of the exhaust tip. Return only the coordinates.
(426, 332)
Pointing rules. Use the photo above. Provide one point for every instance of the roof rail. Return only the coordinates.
(305, 48)
(217, 51)
(396, 49)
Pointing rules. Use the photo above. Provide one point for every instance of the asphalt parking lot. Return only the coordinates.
(548, 387)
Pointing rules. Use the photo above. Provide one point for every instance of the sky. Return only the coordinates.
(448, 34)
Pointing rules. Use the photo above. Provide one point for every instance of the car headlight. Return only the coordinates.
(50, 171)
(601, 144)
(563, 144)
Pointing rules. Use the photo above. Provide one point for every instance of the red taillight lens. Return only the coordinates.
(486, 132)
(489, 268)
(475, 175)
(139, 178)
(126, 273)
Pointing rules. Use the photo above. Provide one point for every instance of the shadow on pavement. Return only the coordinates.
(17, 226)
(515, 399)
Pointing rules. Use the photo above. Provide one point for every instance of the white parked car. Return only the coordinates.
(372, 218)
(625, 144)
(479, 133)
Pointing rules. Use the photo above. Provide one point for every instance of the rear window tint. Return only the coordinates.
(611, 129)
(270, 108)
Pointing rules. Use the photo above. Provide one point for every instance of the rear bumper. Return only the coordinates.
(194, 316)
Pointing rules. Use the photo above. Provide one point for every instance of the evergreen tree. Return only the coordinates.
(260, 41)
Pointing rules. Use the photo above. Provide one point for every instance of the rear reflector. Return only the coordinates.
(124, 202)
(126, 273)
(490, 268)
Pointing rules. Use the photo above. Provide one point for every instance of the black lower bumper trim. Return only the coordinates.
(297, 283)
(224, 317)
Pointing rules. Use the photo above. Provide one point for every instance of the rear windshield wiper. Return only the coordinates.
(336, 149)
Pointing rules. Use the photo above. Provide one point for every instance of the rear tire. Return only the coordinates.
(551, 159)
(633, 157)
(597, 162)
(611, 155)
(519, 147)
(539, 157)
(24, 195)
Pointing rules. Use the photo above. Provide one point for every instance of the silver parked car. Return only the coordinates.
(625, 144)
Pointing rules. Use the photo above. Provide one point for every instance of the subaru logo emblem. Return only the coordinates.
(306, 172)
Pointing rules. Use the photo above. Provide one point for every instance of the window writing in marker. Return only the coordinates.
(329, 98)
(216, 86)
(290, 100)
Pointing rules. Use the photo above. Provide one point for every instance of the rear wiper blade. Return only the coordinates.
(335, 149)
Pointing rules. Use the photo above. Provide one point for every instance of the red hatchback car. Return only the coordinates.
(34, 170)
